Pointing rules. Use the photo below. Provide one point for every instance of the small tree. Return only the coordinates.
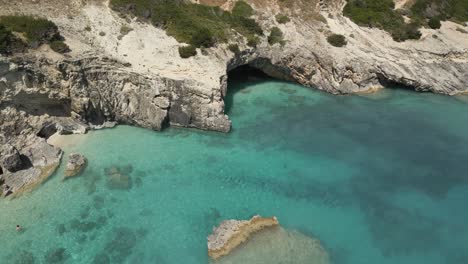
(187, 51)
(337, 40)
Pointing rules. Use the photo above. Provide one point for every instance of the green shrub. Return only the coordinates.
(455, 10)
(253, 41)
(6, 37)
(124, 30)
(234, 48)
(381, 14)
(187, 51)
(87, 28)
(195, 24)
(337, 40)
(59, 46)
(434, 23)
(282, 19)
(34, 29)
(276, 36)
(242, 9)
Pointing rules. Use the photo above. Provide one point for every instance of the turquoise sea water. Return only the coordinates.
(380, 178)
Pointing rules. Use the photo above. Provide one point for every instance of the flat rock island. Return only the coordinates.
(231, 233)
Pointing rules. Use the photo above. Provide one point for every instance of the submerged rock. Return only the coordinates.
(278, 246)
(117, 179)
(231, 233)
(76, 163)
(58, 255)
(23, 257)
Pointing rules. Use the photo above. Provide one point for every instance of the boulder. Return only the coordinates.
(10, 158)
(75, 164)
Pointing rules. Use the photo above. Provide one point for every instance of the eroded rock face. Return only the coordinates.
(75, 164)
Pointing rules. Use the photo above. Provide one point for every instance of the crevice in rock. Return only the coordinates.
(47, 130)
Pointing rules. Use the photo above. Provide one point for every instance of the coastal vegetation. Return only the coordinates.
(187, 51)
(337, 40)
(282, 19)
(199, 25)
(234, 48)
(18, 32)
(276, 36)
(422, 13)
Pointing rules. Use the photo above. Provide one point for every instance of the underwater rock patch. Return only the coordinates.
(23, 257)
(58, 255)
(117, 179)
(121, 245)
(101, 258)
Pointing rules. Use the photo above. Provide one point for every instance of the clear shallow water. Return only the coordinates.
(377, 179)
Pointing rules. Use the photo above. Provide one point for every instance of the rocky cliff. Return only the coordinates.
(137, 77)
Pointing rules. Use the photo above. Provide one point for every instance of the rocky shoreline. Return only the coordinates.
(139, 78)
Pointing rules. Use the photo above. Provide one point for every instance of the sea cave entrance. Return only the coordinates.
(239, 79)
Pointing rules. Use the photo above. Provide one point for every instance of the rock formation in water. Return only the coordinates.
(231, 233)
(75, 164)
(125, 70)
(278, 245)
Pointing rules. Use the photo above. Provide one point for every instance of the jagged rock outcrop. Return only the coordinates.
(139, 78)
(10, 158)
(231, 233)
(75, 165)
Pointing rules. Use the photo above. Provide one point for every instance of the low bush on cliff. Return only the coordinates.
(337, 40)
(32, 31)
(6, 38)
(234, 48)
(434, 23)
(196, 24)
(243, 9)
(187, 51)
(282, 19)
(59, 46)
(276, 36)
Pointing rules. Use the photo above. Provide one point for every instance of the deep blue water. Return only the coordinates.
(380, 178)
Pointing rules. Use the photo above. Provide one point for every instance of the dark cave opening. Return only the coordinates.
(239, 78)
